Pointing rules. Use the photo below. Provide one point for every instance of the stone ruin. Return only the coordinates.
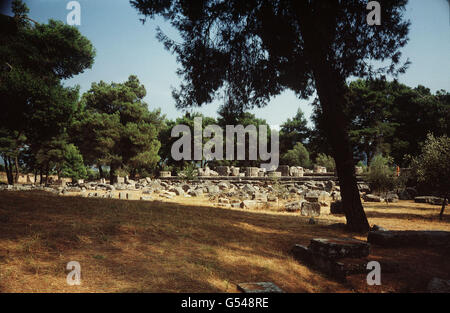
(227, 171)
(320, 169)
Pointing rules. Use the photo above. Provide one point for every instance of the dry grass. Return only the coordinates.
(187, 245)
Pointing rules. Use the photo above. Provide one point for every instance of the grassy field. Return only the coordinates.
(187, 245)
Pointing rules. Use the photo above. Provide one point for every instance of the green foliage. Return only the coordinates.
(292, 131)
(432, 166)
(37, 108)
(298, 156)
(384, 117)
(327, 161)
(256, 51)
(381, 176)
(122, 172)
(189, 172)
(116, 128)
(92, 174)
(73, 165)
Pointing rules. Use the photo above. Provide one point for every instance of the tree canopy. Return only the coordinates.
(248, 51)
(36, 108)
(115, 127)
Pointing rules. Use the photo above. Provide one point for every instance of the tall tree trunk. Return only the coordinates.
(47, 170)
(16, 165)
(441, 215)
(100, 171)
(331, 88)
(331, 100)
(112, 178)
(8, 168)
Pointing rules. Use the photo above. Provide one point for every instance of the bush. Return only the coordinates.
(326, 161)
(298, 156)
(381, 176)
(432, 166)
(189, 172)
(73, 166)
(92, 174)
(121, 172)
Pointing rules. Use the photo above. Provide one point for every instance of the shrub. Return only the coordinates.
(381, 176)
(121, 172)
(189, 172)
(92, 174)
(326, 161)
(298, 156)
(432, 166)
(73, 165)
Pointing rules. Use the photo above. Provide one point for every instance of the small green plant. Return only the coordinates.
(189, 172)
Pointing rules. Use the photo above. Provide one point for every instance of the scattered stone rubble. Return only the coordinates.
(305, 196)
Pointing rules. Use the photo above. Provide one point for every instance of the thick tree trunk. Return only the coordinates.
(16, 165)
(100, 171)
(335, 120)
(8, 169)
(331, 88)
(112, 178)
(46, 175)
(441, 214)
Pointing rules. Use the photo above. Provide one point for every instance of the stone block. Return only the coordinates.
(259, 196)
(438, 285)
(165, 174)
(372, 198)
(284, 169)
(273, 174)
(251, 171)
(295, 206)
(310, 209)
(410, 238)
(249, 204)
(235, 171)
(123, 195)
(223, 170)
(259, 287)
(340, 248)
(429, 200)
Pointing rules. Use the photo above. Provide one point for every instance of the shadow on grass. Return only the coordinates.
(156, 246)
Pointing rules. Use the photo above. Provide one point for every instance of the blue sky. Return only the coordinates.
(125, 46)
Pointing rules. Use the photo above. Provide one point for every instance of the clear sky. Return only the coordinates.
(125, 46)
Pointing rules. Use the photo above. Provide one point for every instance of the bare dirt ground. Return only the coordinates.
(191, 245)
